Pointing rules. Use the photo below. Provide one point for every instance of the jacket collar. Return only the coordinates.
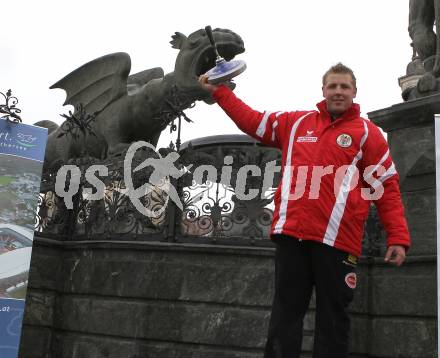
(353, 112)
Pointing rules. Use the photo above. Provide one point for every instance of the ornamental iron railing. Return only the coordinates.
(212, 211)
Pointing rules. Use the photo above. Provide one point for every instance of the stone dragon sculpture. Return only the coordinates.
(128, 108)
(424, 15)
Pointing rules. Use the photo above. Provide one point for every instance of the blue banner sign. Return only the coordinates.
(22, 150)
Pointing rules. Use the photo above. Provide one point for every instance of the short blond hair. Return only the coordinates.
(342, 69)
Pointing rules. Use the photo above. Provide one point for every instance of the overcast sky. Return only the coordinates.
(289, 45)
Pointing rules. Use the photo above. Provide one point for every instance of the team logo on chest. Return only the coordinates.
(309, 137)
(344, 140)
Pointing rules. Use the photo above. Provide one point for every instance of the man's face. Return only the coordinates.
(338, 92)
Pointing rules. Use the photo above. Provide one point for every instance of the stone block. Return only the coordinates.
(403, 337)
(35, 342)
(186, 276)
(359, 334)
(160, 320)
(82, 346)
(409, 290)
(45, 267)
(422, 222)
(39, 308)
(413, 151)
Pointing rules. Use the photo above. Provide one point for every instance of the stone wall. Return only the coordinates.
(161, 300)
(147, 300)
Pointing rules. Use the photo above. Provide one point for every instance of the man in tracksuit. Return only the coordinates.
(334, 164)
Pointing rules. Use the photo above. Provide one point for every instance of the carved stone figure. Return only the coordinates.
(137, 107)
(423, 14)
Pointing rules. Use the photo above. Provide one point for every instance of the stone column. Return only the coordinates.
(402, 302)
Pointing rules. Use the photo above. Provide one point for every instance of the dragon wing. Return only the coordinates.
(137, 80)
(97, 83)
(143, 77)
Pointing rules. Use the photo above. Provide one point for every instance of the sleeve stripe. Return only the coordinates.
(274, 125)
(385, 157)
(388, 174)
(262, 127)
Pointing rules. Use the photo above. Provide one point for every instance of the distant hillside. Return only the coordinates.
(12, 165)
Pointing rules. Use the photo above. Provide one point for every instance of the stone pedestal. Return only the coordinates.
(410, 130)
(403, 300)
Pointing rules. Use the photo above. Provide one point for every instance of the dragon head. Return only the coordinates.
(197, 56)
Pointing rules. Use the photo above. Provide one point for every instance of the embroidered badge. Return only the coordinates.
(351, 280)
(352, 259)
(344, 140)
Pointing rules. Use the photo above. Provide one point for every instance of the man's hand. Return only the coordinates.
(203, 80)
(395, 255)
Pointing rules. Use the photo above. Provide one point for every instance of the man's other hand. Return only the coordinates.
(395, 255)
(203, 80)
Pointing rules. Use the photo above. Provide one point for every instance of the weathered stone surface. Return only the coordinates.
(410, 129)
(158, 320)
(410, 114)
(422, 222)
(80, 346)
(413, 151)
(410, 134)
(45, 267)
(359, 334)
(410, 290)
(416, 338)
(200, 302)
(39, 308)
(201, 277)
(36, 342)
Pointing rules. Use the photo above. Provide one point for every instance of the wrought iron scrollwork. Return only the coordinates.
(77, 123)
(112, 215)
(9, 108)
(214, 208)
(173, 108)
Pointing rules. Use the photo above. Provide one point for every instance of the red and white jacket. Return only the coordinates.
(331, 171)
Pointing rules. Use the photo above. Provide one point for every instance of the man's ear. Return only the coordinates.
(322, 91)
(355, 92)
